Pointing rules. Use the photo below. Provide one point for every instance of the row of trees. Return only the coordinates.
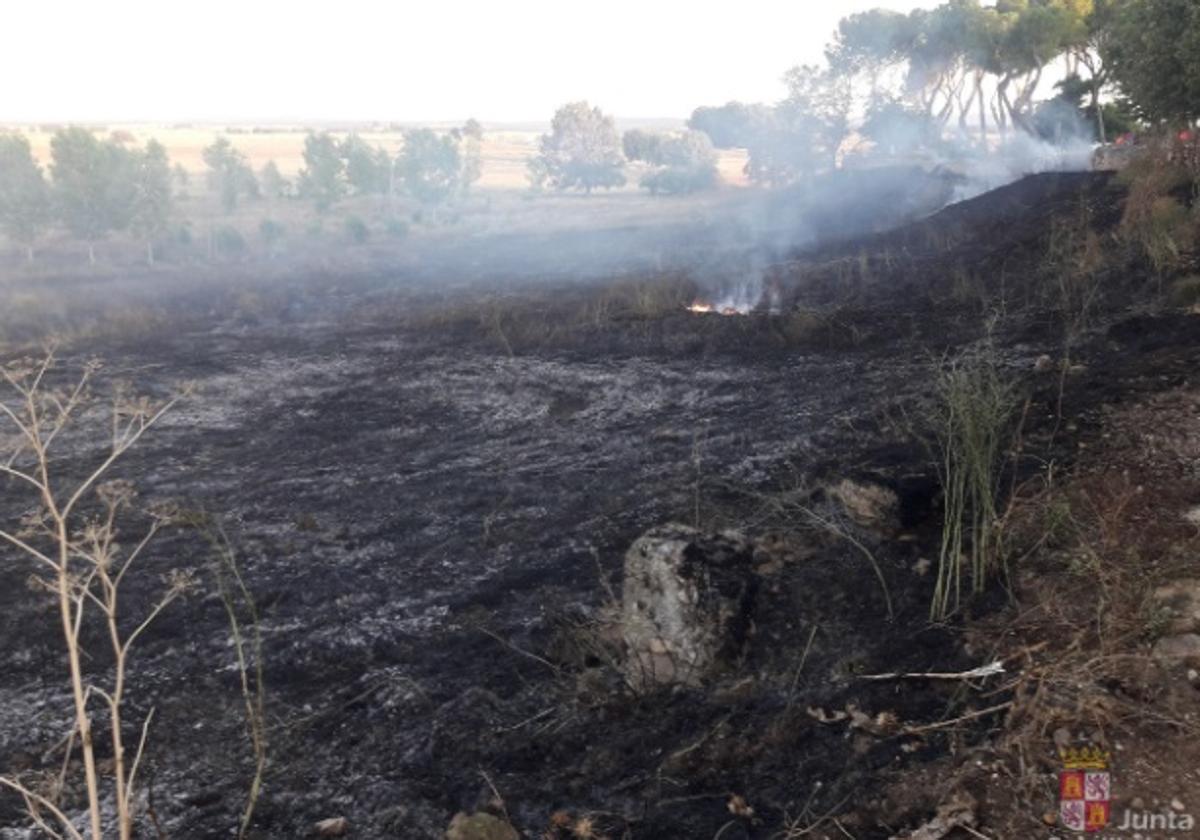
(431, 167)
(95, 187)
(973, 70)
(584, 151)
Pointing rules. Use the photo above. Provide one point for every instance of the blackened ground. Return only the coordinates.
(429, 518)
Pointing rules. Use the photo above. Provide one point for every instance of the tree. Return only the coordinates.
(1037, 34)
(733, 125)
(93, 189)
(472, 128)
(432, 166)
(367, 167)
(687, 163)
(1154, 55)
(642, 145)
(151, 210)
(898, 129)
(274, 185)
(806, 131)
(24, 195)
(229, 174)
(323, 178)
(182, 179)
(870, 43)
(582, 151)
(470, 138)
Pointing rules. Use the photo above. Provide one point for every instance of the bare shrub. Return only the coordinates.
(73, 540)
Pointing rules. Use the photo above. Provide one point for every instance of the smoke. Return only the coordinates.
(1021, 155)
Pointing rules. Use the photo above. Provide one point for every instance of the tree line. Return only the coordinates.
(971, 71)
(94, 186)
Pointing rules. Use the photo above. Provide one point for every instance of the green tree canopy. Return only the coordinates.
(229, 174)
(642, 145)
(152, 204)
(274, 185)
(24, 194)
(806, 131)
(432, 165)
(582, 151)
(1154, 55)
(686, 163)
(323, 178)
(368, 167)
(93, 187)
(733, 125)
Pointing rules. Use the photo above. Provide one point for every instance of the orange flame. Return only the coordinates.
(703, 306)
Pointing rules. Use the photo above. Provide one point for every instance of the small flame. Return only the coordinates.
(703, 306)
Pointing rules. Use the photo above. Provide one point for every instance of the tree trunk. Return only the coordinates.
(91, 253)
(1101, 132)
(964, 111)
(999, 109)
(149, 252)
(982, 111)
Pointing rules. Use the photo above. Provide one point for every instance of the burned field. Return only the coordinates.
(430, 498)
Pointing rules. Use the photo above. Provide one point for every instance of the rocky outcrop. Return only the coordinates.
(686, 604)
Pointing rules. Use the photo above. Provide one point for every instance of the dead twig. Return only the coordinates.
(519, 650)
(914, 730)
(989, 670)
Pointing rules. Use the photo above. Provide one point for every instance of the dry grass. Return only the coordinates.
(972, 419)
(1157, 221)
(1089, 550)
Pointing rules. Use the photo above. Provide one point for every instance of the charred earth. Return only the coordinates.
(432, 494)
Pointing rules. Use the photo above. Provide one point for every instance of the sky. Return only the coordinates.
(435, 60)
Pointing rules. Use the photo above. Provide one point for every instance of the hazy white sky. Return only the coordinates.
(121, 60)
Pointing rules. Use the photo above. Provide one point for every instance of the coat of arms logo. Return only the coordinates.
(1084, 789)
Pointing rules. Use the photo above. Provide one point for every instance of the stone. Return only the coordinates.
(332, 827)
(686, 604)
(1180, 601)
(1043, 364)
(871, 505)
(1183, 649)
(480, 827)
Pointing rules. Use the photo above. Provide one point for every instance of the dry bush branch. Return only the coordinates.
(80, 556)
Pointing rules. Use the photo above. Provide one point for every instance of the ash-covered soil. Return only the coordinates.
(430, 523)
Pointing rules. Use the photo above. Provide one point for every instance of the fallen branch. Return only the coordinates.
(913, 730)
(989, 670)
